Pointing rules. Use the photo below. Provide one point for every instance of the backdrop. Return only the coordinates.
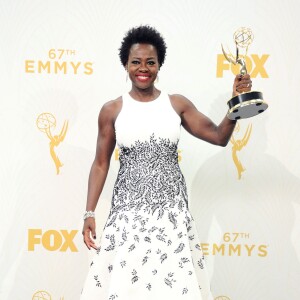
(59, 64)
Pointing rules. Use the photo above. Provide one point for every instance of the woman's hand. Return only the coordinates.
(241, 84)
(89, 233)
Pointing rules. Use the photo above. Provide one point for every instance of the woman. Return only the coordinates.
(149, 247)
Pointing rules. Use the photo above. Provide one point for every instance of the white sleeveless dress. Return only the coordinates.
(149, 248)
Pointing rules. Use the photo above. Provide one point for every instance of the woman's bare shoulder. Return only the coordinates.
(178, 98)
(113, 104)
(111, 108)
(180, 103)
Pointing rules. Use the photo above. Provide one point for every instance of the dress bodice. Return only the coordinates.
(138, 121)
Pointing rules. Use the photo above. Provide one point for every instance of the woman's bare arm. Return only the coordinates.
(200, 125)
(106, 142)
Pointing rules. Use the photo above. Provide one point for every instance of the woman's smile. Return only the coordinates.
(143, 77)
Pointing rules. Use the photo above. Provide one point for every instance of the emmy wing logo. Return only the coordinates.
(46, 122)
(43, 295)
(238, 145)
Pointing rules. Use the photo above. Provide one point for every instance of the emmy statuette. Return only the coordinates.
(247, 104)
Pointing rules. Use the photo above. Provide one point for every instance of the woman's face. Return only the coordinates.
(142, 65)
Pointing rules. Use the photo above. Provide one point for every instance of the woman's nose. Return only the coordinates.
(143, 67)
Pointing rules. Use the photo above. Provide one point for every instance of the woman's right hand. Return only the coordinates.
(89, 233)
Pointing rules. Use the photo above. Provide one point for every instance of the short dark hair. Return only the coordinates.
(143, 35)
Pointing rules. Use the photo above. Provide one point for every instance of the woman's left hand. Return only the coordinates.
(241, 84)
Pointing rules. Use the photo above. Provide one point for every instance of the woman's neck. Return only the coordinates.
(144, 95)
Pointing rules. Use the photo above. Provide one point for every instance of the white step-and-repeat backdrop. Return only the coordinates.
(59, 64)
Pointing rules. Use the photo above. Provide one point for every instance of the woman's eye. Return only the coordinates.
(151, 63)
(135, 62)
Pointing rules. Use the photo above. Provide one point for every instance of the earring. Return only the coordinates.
(156, 79)
(126, 75)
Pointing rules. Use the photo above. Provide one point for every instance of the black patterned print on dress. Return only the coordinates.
(149, 180)
(98, 284)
